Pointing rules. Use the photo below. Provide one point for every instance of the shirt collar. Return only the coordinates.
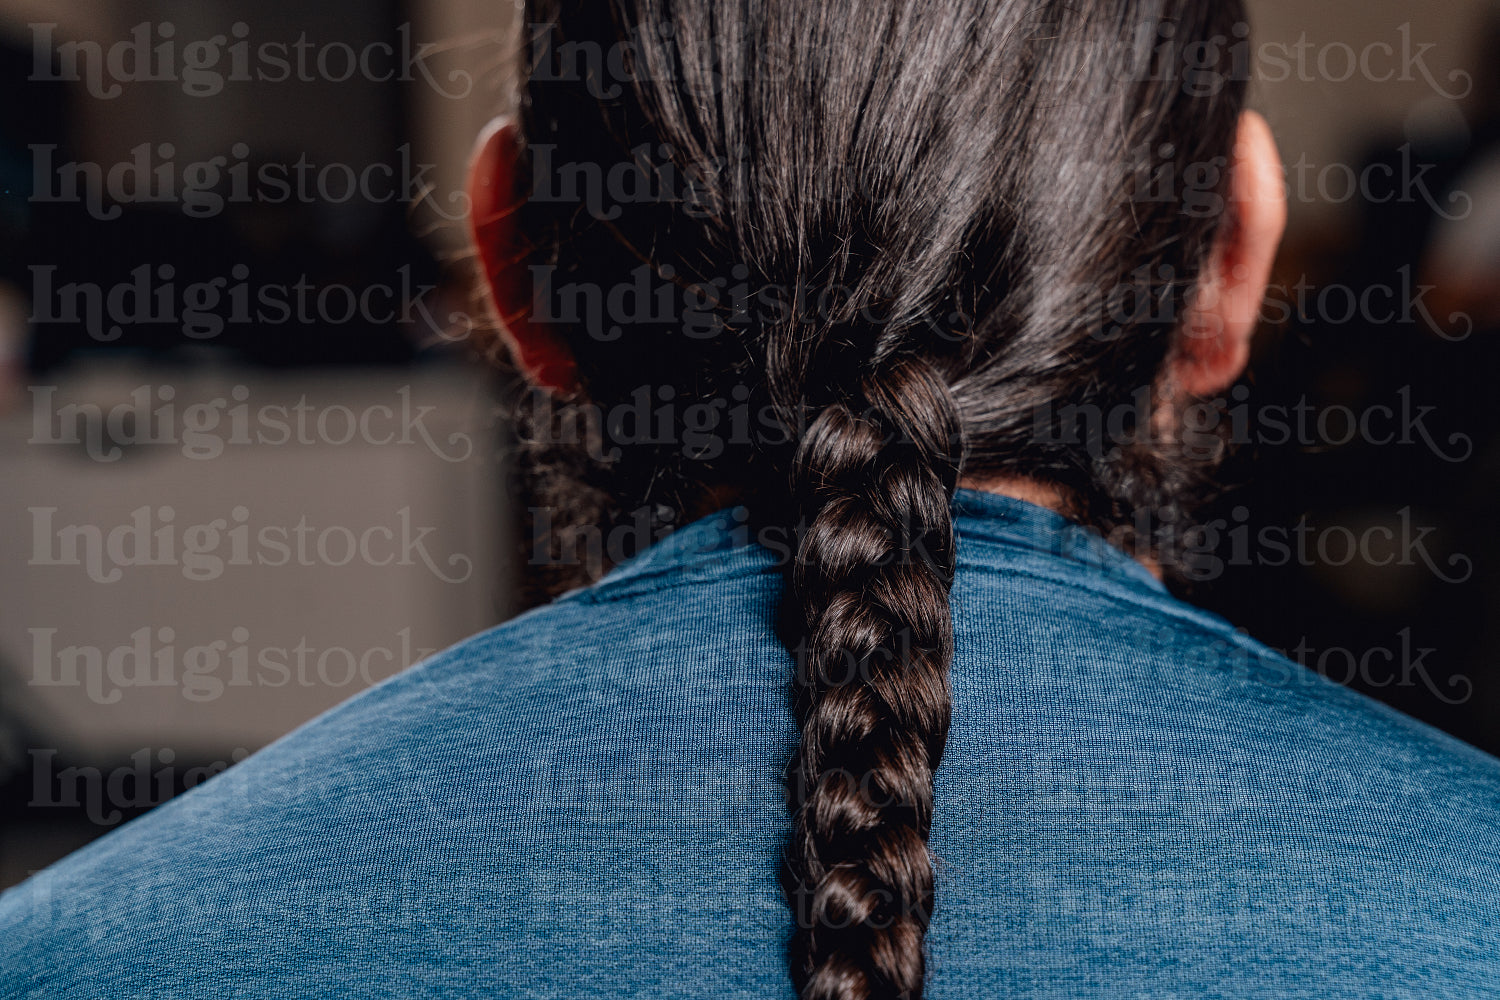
(994, 531)
(989, 524)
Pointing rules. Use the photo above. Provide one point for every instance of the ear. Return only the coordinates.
(495, 196)
(1215, 343)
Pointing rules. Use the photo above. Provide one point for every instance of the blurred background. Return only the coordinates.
(252, 465)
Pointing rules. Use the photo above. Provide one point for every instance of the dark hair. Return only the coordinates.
(834, 256)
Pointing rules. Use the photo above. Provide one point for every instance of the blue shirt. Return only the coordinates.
(1135, 801)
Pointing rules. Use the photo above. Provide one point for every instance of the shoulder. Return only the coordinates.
(1151, 665)
(1125, 746)
(436, 816)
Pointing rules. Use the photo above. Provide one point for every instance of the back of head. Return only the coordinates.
(848, 255)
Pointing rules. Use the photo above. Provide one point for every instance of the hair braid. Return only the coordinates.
(982, 183)
(872, 479)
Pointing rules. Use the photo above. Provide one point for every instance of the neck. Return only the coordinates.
(1035, 491)
(1043, 494)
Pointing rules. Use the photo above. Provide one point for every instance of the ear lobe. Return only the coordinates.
(1214, 345)
(495, 197)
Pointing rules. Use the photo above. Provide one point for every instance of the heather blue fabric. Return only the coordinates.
(1136, 801)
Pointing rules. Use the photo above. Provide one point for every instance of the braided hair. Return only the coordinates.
(873, 475)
